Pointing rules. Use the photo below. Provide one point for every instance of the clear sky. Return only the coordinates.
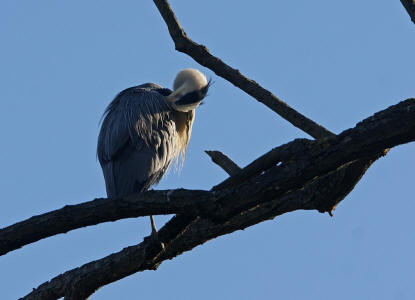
(62, 62)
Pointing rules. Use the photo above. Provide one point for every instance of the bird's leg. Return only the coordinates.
(154, 233)
(153, 226)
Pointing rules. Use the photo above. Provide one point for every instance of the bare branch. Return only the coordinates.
(101, 210)
(224, 162)
(317, 178)
(201, 54)
(81, 282)
(325, 191)
(308, 159)
(133, 259)
(410, 8)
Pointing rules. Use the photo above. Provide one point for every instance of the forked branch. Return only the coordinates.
(314, 179)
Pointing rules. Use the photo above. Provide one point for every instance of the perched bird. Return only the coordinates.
(144, 128)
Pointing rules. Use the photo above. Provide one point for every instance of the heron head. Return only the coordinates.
(189, 88)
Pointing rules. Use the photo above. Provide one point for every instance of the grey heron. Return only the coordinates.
(143, 129)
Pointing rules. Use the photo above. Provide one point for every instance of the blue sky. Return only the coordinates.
(62, 62)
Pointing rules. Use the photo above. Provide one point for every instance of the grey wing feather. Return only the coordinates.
(137, 140)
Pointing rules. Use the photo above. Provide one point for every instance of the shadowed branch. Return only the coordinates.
(101, 210)
(311, 179)
(384, 130)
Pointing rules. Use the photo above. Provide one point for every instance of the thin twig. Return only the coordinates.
(201, 54)
(224, 162)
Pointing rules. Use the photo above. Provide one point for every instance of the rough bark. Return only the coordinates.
(313, 178)
(304, 159)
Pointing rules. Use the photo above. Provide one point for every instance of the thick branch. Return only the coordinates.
(369, 138)
(308, 159)
(224, 162)
(201, 54)
(102, 210)
(87, 278)
(327, 190)
(81, 282)
(314, 179)
(410, 8)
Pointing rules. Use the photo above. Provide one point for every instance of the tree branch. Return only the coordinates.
(81, 282)
(317, 178)
(224, 162)
(84, 280)
(410, 8)
(201, 54)
(308, 159)
(102, 210)
(327, 190)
